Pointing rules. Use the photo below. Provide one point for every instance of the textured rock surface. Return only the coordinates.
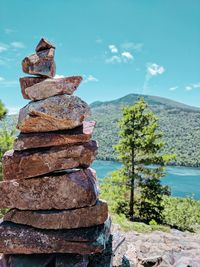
(44, 44)
(63, 219)
(79, 134)
(28, 82)
(52, 114)
(41, 63)
(44, 260)
(18, 239)
(32, 163)
(62, 191)
(173, 249)
(52, 87)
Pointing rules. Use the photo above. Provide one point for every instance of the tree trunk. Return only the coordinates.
(131, 204)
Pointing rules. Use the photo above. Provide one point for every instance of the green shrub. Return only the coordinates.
(181, 213)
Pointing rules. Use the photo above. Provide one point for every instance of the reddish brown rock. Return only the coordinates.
(52, 114)
(41, 63)
(57, 191)
(62, 219)
(32, 163)
(28, 82)
(44, 44)
(51, 87)
(79, 134)
(18, 239)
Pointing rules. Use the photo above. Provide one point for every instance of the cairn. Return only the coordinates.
(55, 216)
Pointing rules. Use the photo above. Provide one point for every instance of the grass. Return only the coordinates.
(140, 227)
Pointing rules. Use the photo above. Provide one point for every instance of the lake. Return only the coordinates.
(183, 181)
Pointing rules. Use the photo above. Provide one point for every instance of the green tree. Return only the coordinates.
(139, 147)
(6, 136)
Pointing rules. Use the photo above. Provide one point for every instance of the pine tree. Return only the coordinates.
(140, 146)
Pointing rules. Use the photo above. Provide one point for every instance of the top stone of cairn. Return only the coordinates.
(42, 62)
(44, 45)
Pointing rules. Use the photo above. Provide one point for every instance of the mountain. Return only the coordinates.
(180, 124)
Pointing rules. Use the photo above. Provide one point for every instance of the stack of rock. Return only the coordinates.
(48, 186)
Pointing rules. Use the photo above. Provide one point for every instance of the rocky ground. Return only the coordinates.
(160, 249)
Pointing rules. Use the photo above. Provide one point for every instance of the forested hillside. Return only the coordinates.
(180, 124)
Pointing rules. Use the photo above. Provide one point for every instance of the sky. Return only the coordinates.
(118, 46)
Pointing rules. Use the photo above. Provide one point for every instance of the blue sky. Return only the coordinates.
(119, 46)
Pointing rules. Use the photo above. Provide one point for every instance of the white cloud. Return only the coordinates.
(192, 86)
(113, 49)
(7, 83)
(113, 60)
(17, 44)
(13, 110)
(196, 85)
(3, 47)
(58, 76)
(173, 88)
(154, 69)
(8, 30)
(188, 88)
(99, 40)
(89, 78)
(127, 56)
(132, 46)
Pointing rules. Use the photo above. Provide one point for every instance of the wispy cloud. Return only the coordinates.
(89, 78)
(119, 57)
(152, 70)
(8, 30)
(58, 76)
(114, 59)
(13, 110)
(192, 86)
(137, 47)
(113, 48)
(17, 44)
(7, 83)
(99, 40)
(173, 88)
(127, 56)
(3, 47)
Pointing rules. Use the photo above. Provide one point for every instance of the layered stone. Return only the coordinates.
(44, 260)
(57, 191)
(62, 219)
(51, 87)
(80, 134)
(41, 63)
(44, 44)
(54, 113)
(21, 239)
(28, 82)
(32, 163)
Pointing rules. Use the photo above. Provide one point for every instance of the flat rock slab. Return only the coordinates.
(35, 260)
(32, 163)
(44, 260)
(54, 113)
(28, 82)
(51, 87)
(41, 63)
(63, 219)
(20, 239)
(62, 191)
(80, 134)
